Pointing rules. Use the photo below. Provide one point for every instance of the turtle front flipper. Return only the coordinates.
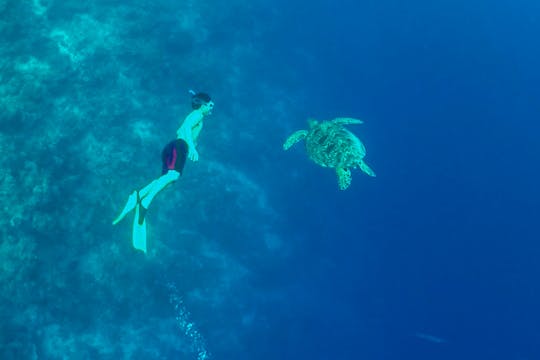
(346, 121)
(344, 178)
(365, 168)
(294, 138)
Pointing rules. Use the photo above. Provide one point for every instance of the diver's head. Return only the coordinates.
(207, 108)
(202, 101)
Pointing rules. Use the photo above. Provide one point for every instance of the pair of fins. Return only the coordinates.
(138, 238)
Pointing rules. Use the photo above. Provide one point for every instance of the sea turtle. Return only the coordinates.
(330, 144)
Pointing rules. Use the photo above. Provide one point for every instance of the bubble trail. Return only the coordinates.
(188, 328)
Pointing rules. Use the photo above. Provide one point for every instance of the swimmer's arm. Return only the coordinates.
(185, 132)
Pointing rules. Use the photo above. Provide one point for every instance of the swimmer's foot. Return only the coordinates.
(131, 203)
(142, 214)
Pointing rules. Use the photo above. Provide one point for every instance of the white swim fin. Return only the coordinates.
(139, 229)
(130, 205)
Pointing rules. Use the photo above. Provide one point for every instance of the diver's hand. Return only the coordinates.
(193, 155)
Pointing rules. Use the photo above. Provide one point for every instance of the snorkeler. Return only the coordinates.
(173, 158)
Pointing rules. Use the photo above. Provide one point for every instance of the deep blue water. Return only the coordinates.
(435, 258)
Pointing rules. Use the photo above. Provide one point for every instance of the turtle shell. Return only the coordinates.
(331, 145)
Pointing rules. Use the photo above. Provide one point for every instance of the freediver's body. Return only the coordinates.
(173, 158)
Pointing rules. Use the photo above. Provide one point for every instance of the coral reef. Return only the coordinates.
(88, 94)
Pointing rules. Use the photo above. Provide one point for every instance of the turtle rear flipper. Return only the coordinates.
(346, 121)
(344, 178)
(365, 168)
(294, 138)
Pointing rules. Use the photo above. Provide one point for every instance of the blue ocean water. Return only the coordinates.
(255, 253)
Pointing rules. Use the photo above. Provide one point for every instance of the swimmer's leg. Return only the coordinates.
(148, 193)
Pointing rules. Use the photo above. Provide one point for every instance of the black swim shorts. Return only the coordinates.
(173, 156)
